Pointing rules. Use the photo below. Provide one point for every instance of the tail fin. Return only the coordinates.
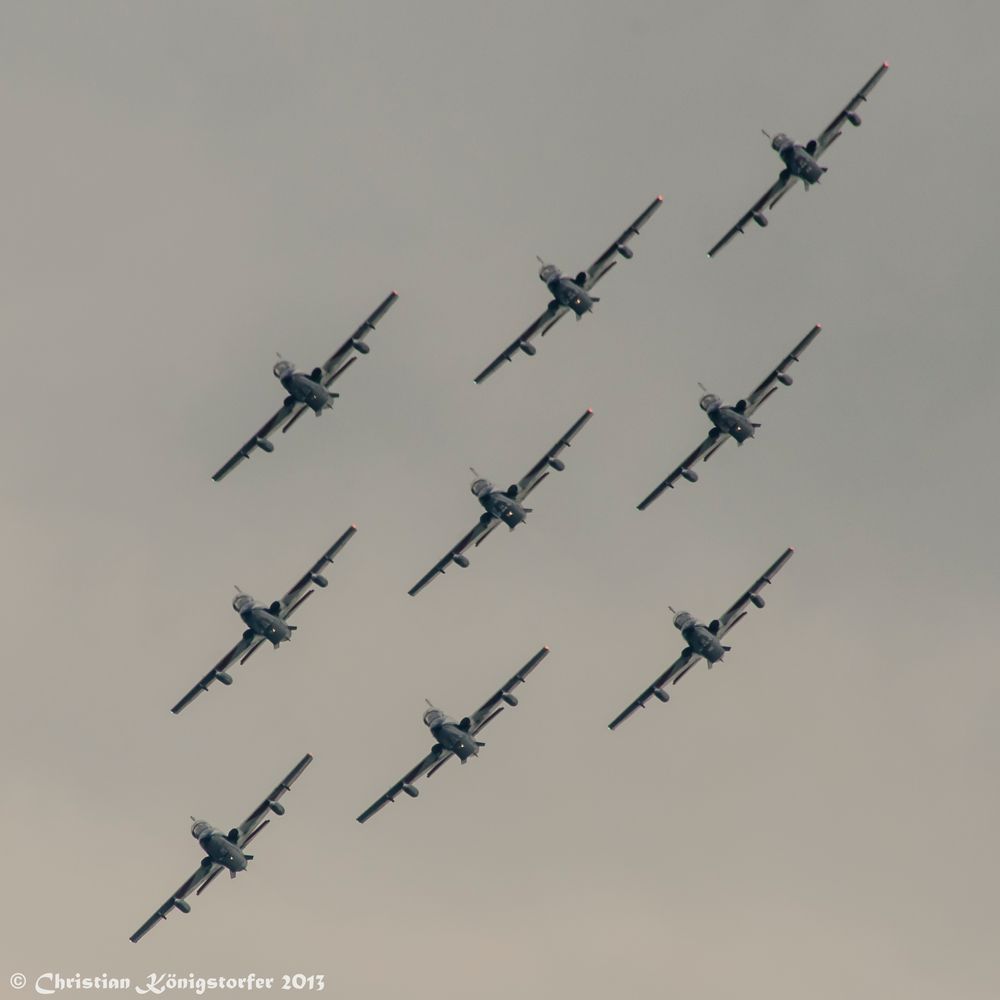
(727, 648)
(479, 744)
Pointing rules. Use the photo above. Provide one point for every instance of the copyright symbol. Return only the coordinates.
(18, 980)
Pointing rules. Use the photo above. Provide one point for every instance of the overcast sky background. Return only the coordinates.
(189, 188)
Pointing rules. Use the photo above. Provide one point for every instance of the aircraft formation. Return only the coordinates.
(459, 738)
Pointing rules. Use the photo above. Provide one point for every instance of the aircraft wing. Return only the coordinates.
(832, 131)
(491, 708)
(541, 326)
(347, 353)
(770, 384)
(201, 876)
(706, 446)
(550, 460)
(262, 435)
(484, 526)
(249, 827)
(241, 651)
(432, 761)
(752, 594)
(673, 673)
(608, 259)
(296, 595)
(768, 199)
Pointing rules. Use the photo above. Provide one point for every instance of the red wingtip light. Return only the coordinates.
(659, 197)
(546, 648)
(885, 65)
(394, 292)
(354, 526)
(589, 410)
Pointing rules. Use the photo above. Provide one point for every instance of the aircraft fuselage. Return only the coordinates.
(566, 292)
(303, 389)
(729, 420)
(265, 623)
(452, 737)
(703, 641)
(504, 508)
(800, 163)
(220, 849)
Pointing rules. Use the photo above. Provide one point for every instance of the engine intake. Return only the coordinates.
(528, 348)
(508, 699)
(319, 579)
(221, 675)
(854, 118)
(661, 694)
(690, 475)
(625, 250)
(276, 807)
(784, 378)
(756, 600)
(557, 464)
(264, 444)
(459, 560)
(760, 218)
(183, 905)
(360, 346)
(411, 791)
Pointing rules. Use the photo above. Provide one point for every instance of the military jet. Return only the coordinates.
(800, 161)
(266, 622)
(732, 421)
(704, 641)
(455, 739)
(506, 506)
(570, 293)
(223, 850)
(308, 392)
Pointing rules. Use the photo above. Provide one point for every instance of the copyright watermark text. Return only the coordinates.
(160, 983)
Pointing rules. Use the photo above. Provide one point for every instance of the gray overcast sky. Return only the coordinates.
(189, 188)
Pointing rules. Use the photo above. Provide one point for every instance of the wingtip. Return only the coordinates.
(791, 548)
(885, 64)
(354, 527)
(659, 197)
(546, 648)
(590, 409)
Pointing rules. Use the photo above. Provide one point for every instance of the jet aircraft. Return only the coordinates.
(570, 293)
(308, 392)
(505, 506)
(704, 641)
(732, 421)
(223, 850)
(455, 739)
(268, 622)
(800, 162)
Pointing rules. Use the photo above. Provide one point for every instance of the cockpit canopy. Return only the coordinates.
(682, 619)
(481, 487)
(433, 717)
(548, 272)
(200, 827)
(709, 402)
(283, 368)
(779, 142)
(242, 601)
